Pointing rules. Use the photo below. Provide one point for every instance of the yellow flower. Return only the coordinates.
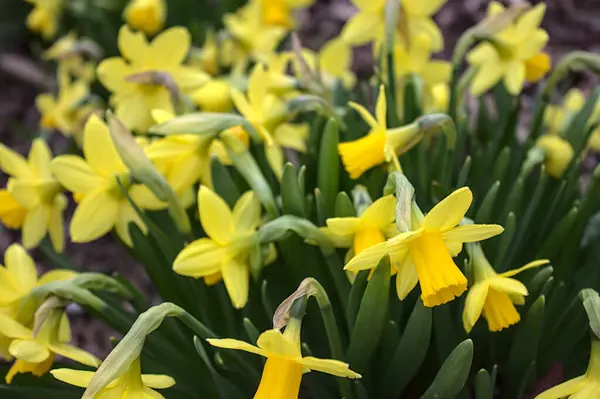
(333, 62)
(286, 135)
(558, 154)
(103, 205)
(379, 145)
(68, 52)
(285, 365)
(515, 55)
(35, 351)
(132, 384)
(368, 24)
(12, 214)
(494, 295)
(226, 252)
(371, 228)
(44, 17)
(35, 189)
(147, 16)
(279, 12)
(147, 75)
(424, 254)
(214, 96)
(19, 276)
(585, 386)
(61, 112)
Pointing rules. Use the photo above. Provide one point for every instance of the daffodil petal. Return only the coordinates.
(39, 159)
(56, 275)
(75, 174)
(380, 213)
(99, 150)
(133, 45)
(199, 258)
(229, 343)
(257, 87)
(276, 159)
(170, 47)
(236, 277)
(215, 216)
(241, 103)
(564, 390)
(449, 211)
(343, 226)
(362, 28)
(381, 109)
(368, 258)
(78, 378)
(474, 305)
(13, 329)
(126, 216)
(14, 164)
(56, 223)
(406, 279)
(274, 344)
(329, 366)
(158, 381)
(530, 265)
(246, 212)
(514, 78)
(365, 114)
(28, 350)
(508, 285)
(35, 226)
(487, 76)
(21, 267)
(95, 216)
(74, 353)
(472, 232)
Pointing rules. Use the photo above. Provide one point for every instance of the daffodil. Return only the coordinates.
(34, 351)
(45, 16)
(32, 185)
(514, 55)
(585, 386)
(19, 276)
(494, 295)
(368, 24)
(380, 145)
(102, 204)
(214, 96)
(424, 254)
(225, 253)
(285, 365)
(558, 154)
(147, 16)
(279, 12)
(12, 213)
(148, 76)
(61, 112)
(286, 135)
(68, 52)
(333, 62)
(132, 384)
(216, 52)
(370, 228)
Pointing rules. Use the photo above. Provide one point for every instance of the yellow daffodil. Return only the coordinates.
(216, 52)
(494, 295)
(61, 112)
(132, 384)
(44, 17)
(102, 205)
(370, 228)
(424, 254)
(35, 189)
(19, 276)
(286, 135)
(148, 75)
(333, 62)
(214, 96)
(147, 16)
(12, 214)
(35, 351)
(256, 39)
(225, 253)
(514, 55)
(558, 154)
(585, 386)
(69, 52)
(368, 24)
(285, 365)
(380, 145)
(279, 12)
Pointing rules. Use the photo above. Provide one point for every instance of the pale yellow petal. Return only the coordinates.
(39, 159)
(406, 278)
(229, 343)
(28, 350)
(335, 57)
(75, 174)
(472, 232)
(21, 266)
(364, 113)
(158, 381)
(242, 105)
(515, 77)
(14, 164)
(257, 85)
(367, 259)
(530, 265)
(56, 275)
(474, 305)
(449, 211)
(35, 226)
(275, 344)
(95, 216)
(236, 276)
(74, 353)
(362, 28)
(381, 108)
(99, 150)
(275, 158)
(344, 226)
(127, 214)
(133, 45)
(170, 48)
(13, 329)
(56, 223)
(508, 285)
(486, 77)
(329, 366)
(215, 216)
(25, 192)
(292, 136)
(565, 389)
(78, 378)
(246, 213)
(420, 8)
(380, 213)
(199, 258)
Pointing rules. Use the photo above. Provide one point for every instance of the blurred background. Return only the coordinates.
(572, 25)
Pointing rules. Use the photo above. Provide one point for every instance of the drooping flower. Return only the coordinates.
(132, 384)
(285, 365)
(149, 75)
(45, 16)
(585, 386)
(380, 145)
(494, 295)
(147, 16)
(61, 111)
(92, 180)
(225, 253)
(424, 255)
(32, 185)
(34, 351)
(514, 56)
(558, 154)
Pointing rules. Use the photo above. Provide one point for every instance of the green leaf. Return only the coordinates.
(371, 317)
(328, 174)
(291, 195)
(224, 387)
(463, 175)
(410, 353)
(483, 385)
(343, 206)
(591, 303)
(451, 378)
(485, 210)
(356, 293)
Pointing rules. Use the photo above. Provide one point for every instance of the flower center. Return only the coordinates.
(366, 238)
